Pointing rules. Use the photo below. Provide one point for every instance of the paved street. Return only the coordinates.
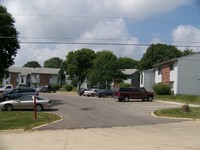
(93, 112)
(110, 125)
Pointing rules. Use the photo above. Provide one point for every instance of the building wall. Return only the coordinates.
(44, 79)
(189, 75)
(158, 77)
(166, 74)
(14, 79)
(147, 79)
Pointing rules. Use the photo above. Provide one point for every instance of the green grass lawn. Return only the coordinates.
(187, 99)
(194, 113)
(24, 119)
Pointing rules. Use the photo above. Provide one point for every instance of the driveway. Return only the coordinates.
(92, 112)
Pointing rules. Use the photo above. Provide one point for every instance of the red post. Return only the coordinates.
(35, 112)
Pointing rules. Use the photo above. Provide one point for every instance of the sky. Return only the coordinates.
(127, 27)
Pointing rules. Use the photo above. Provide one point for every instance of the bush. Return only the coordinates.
(125, 85)
(68, 87)
(162, 89)
(56, 86)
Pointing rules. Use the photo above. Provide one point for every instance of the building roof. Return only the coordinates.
(175, 59)
(129, 71)
(26, 70)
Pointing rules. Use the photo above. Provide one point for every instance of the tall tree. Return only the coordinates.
(78, 63)
(158, 53)
(9, 43)
(187, 52)
(32, 64)
(126, 63)
(54, 62)
(104, 68)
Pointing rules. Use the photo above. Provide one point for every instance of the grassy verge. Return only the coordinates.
(24, 120)
(177, 112)
(187, 99)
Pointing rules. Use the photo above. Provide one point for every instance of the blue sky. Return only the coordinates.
(109, 21)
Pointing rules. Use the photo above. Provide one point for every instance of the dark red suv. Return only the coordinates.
(124, 94)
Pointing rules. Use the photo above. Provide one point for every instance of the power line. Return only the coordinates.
(105, 17)
(111, 44)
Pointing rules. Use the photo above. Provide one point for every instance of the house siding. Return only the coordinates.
(158, 78)
(174, 77)
(189, 75)
(147, 79)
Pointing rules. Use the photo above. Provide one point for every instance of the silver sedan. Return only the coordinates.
(26, 102)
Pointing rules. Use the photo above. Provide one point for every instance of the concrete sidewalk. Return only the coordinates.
(174, 136)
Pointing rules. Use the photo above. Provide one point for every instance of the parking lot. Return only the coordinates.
(93, 112)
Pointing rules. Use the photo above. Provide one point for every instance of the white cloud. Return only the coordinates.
(59, 20)
(187, 35)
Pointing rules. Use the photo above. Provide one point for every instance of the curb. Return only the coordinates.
(34, 128)
(177, 103)
(189, 119)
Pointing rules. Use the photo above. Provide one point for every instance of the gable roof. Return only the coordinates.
(27, 70)
(129, 71)
(175, 59)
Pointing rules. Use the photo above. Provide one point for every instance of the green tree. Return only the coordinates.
(158, 53)
(187, 52)
(9, 43)
(32, 64)
(78, 63)
(54, 62)
(126, 63)
(104, 69)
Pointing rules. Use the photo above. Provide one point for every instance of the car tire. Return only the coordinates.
(126, 98)
(39, 107)
(119, 99)
(92, 94)
(8, 107)
(150, 98)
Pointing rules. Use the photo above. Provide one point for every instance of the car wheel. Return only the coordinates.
(126, 98)
(9, 107)
(6, 98)
(150, 98)
(119, 99)
(92, 94)
(39, 107)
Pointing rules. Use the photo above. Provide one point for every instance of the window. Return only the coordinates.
(171, 84)
(22, 79)
(141, 78)
(171, 67)
(159, 70)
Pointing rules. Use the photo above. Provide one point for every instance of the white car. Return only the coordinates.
(91, 92)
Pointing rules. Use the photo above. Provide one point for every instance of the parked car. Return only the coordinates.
(81, 91)
(47, 89)
(105, 92)
(6, 88)
(124, 94)
(91, 92)
(26, 102)
(18, 92)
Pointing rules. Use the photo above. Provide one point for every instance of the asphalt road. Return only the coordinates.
(93, 112)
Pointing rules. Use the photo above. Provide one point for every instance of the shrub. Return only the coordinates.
(56, 86)
(162, 89)
(68, 87)
(125, 85)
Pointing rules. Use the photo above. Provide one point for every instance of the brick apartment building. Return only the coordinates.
(182, 74)
(24, 76)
